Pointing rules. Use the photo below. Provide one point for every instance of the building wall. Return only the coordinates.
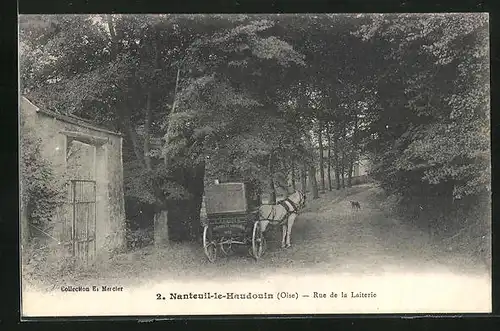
(361, 169)
(116, 227)
(107, 171)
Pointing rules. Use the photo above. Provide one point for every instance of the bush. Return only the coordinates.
(456, 225)
(139, 238)
(40, 188)
(46, 264)
(391, 203)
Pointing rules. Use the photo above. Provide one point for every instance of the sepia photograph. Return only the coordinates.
(254, 164)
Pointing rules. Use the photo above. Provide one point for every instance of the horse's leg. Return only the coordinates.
(283, 237)
(291, 220)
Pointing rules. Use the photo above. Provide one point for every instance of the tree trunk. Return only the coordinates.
(337, 165)
(321, 162)
(329, 160)
(313, 181)
(350, 170)
(184, 215)
(293, 175)
(147, 128)
(196, 186)
(342, 171)
(132, 135)
(149, 112)
(303, 179)
(123, 110)
(272, 192)
(174, 103)
(272, 188)
(112, 33)
(342, 164)
(354, 153)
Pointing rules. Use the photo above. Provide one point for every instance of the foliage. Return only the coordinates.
(40, 190)
(221, 119)
(139, 238)
(246, 96)
(41, 265)
(439, 135)
(120, 58)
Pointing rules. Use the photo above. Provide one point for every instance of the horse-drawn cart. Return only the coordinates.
(232, 220)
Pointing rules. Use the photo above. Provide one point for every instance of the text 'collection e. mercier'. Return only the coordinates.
(93, 288)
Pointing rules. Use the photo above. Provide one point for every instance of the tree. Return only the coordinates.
(213, 103)
(454, 48)
(126, 72)
(40, 188)
(430, 124)
(329, 156)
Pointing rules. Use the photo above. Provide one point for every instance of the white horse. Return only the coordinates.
(283, 213)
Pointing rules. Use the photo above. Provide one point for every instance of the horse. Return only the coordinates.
(283, 213)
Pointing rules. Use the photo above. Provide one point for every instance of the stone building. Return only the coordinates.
(361, 168)
(90, 218)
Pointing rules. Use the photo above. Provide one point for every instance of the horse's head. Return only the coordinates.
(299, 198)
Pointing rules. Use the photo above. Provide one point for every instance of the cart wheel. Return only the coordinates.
(208, 245)
(258, 241)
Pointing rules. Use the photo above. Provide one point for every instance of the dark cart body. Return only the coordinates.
(232, 219)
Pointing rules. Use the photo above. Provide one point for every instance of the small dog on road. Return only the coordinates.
(355, 205)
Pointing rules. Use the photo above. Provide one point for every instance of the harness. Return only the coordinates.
(287, 208)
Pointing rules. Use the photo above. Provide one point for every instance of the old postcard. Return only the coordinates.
(254, 164)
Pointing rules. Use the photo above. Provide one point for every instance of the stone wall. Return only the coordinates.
(101, 160)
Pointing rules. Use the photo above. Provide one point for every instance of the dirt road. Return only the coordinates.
(327, 237)
(331, 242)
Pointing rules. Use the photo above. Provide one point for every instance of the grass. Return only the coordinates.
(328, 238)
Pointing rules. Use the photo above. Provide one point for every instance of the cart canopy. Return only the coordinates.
(230, 198)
